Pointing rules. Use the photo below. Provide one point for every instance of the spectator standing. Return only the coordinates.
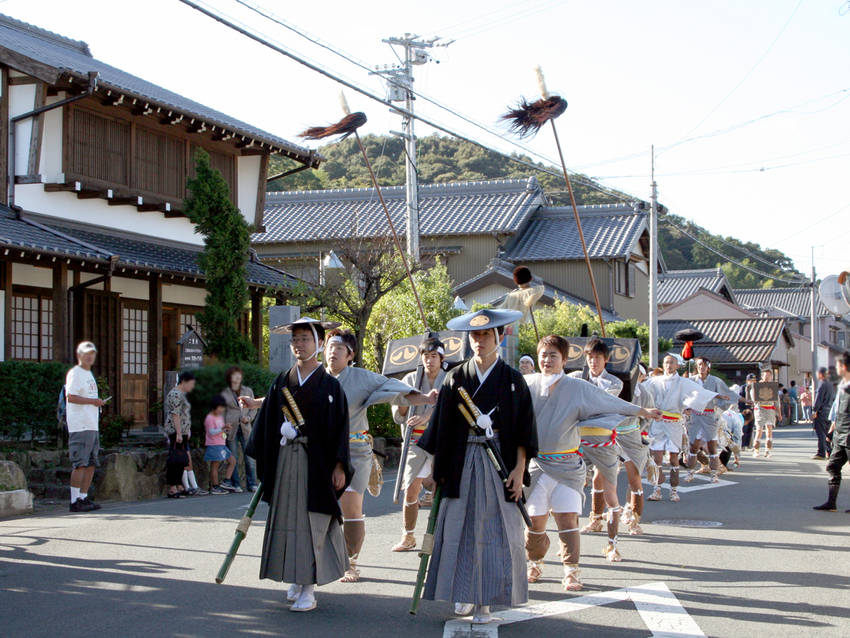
(841, 432)
(82, 415)
(526, 365)
(178, 429)
(217, 451)
(794, 396)
(806, 403)
(824, 396)
(747, 412)
(239, 419)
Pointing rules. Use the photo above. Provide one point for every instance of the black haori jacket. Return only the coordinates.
(325, 411)
(447, 431)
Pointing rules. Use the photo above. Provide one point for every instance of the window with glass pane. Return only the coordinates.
(134, 330)
(32, 328)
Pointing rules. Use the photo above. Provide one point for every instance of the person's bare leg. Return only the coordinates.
(214, 472)
(757, 440)
(674, 477)
(410, 515)
(713, 460)
(354, 530)
(635, 499)
(658, 457)
(769, 443)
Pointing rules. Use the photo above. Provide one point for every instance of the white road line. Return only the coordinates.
(658, 607)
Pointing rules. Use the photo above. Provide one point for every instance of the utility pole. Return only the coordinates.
(400, 89)
(653, 269)
(814, 327)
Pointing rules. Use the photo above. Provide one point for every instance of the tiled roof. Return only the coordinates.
(503, 272)
(794, 302)
(676, 285)
(66, 56)
(133, 251)
(466, 208)
(610, 230)
(28, 235)
(750, 340)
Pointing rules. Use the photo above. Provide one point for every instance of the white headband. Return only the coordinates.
(337, 339)
(526, 357)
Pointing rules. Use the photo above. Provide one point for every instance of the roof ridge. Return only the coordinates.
(56, 38)
(466, 187)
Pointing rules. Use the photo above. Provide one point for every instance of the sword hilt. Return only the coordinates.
(469, 403)
(293, 406)
(466, 415)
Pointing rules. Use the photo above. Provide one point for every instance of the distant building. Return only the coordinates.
(480, 230)
(97, 247)
(675, 286)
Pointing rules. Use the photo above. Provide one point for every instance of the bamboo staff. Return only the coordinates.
(348, 125)
(241, 533)
(526, 120)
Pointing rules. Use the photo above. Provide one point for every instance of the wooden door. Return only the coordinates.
(99, 321)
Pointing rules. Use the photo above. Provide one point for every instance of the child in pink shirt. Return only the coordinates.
(217, 451)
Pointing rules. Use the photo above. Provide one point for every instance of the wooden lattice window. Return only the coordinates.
(159, 164)
(188, 320)
(134, 339)
(32, 327)
(100, 147)
(224, 163)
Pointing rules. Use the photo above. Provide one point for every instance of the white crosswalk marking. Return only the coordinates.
(658, 607)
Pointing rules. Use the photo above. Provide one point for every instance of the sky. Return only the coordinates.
(746, 103)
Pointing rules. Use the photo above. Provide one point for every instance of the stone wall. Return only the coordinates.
(15, 498)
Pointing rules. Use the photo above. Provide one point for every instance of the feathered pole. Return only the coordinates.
(526, 119)
(348, 125)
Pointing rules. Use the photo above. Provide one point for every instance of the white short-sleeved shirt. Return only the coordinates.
(81, 383)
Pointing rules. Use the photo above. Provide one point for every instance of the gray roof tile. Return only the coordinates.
(444, 209)
(610, 230)
(91, 244)
(795, 302)
(676, 285)
(750, 340)
(73, 57)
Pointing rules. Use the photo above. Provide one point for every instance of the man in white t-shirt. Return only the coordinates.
(82, 414)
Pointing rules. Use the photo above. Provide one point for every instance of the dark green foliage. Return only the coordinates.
(381, 421)
(223, 261)
(113, 427)
(683, 253)
(211, 381)
(28, 402)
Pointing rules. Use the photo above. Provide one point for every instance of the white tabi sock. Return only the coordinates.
(75, 494)
(191, 477)
(186, 484)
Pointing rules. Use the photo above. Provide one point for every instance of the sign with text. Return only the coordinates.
(191, 350)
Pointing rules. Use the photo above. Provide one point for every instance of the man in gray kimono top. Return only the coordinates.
(362, 388)
(413, 420)
(562, 407)
(676, 397)
(479, 555)
(303, 471)
(704, 427)
(600, 448)
(765, 416)
(635, 455)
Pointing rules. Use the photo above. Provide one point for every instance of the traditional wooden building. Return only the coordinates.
(93, 242)
(480, 230)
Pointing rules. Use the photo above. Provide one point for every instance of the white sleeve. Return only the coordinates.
(75, 383)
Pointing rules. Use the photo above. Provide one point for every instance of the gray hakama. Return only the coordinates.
(364, 388)
(308, 547)
(484, 562)
(633, 449)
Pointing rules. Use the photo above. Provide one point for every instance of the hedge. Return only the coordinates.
(28, 401)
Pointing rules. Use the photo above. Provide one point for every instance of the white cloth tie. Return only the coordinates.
(288, 432)
(486, 423)
(548, 381)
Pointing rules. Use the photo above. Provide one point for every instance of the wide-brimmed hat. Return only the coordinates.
(287, 328)
(484, 319)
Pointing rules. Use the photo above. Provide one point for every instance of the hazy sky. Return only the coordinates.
(763, 85)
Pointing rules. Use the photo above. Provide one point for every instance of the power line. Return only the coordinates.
(748, 73)
(729, 259)
(244, 30)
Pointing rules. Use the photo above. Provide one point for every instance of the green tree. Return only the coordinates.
(566, 319)
(223, 261)
(396, 316)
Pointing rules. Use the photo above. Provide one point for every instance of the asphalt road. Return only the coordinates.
(770, 566)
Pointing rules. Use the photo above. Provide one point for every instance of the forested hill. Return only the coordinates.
(445, 159)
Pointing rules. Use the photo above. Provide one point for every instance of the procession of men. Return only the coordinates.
(494, 452)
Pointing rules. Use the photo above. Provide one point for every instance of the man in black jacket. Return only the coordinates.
(840, 431)
(820, 413)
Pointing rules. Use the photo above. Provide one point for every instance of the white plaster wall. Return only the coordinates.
(484, 295)
(26, 275)
(65, 205)
(248, 172)
(21, 100)
(183, 295)
(132, 288)
(50, 162)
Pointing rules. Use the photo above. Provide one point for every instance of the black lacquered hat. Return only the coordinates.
(484, 319)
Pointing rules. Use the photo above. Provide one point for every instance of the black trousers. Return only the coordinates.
(840, 455)
(747, 434)
(821, 427)
(174, 472)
